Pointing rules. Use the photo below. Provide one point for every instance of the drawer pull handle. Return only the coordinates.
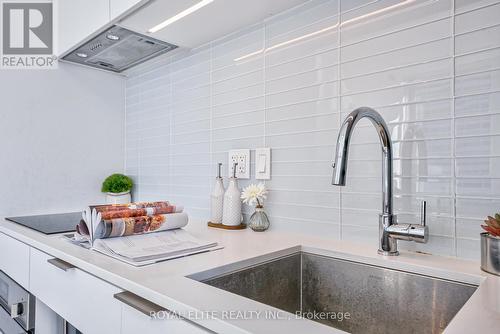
(140, 304)
(63, 265)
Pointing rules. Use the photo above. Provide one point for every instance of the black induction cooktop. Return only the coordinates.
(50, 224)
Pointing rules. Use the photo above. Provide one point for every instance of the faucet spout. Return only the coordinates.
(389, 230)
(344, 138)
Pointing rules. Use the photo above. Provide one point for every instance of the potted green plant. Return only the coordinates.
(117, 188)
(490, 245)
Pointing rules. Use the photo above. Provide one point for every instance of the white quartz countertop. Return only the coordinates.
(166, 283)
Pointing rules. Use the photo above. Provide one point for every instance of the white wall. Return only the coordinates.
(431, 68)
(61, 133)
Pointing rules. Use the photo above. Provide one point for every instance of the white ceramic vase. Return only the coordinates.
(231, 213)
(217, 201)
(118, 198)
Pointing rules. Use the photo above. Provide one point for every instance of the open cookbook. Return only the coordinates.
(139, 233)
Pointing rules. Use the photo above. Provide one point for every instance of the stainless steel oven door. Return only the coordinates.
(17, 303)
(9, 325)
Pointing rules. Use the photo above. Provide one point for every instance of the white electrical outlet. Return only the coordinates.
(242, 157)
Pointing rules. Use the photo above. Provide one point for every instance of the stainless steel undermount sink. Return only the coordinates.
(378, 300)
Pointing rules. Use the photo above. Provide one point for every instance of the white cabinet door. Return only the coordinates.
(47, 321)
(83, 300)
(15, 259)
(134, 321)
(77, 19)
(118, 7)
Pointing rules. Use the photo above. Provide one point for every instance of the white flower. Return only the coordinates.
(254, 194)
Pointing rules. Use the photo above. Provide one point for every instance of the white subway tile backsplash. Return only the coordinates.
(237, 69)
(311, 12)
(302, 139)
(423, 111)
(477, 19)
(432, 31)
(238, 131)
(469, 207)
(233, 96)
(476, 62)
(478, 83)
(389, 16)
(421, 53)
(240, 119)
(323, 29)
(436, 148)
(225, 145)
(311, 198)
(487, 125)
(423, 168)
(309, 93)
(303, 124)
(366, 234)
(361, 202)
(315, 62)
(423, 186)
(249, 105)
(322, 214)
(436, 206)
(288, 82)
(489, 187)
(468, 248)
(306, 153)
(359, 184)
(305, 79)
(302, 169)
(413, 93)
(478, 146)
(238, 82)
(462, 6)
(477, 40)
(478, 167)
(311, 183)
(310, 108)
(393, 77)
(478, 104)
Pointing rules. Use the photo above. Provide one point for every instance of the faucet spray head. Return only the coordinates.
(338, 178)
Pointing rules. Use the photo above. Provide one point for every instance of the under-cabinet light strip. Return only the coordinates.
(180, 15)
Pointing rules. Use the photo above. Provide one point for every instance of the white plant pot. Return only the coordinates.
(118, 198)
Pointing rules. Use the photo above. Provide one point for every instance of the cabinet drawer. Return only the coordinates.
(83, 300)
(136, 319)
(15, 259)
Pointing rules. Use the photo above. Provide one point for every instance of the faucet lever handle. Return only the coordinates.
(423, 213)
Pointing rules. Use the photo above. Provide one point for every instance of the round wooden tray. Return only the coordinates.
(225, 227)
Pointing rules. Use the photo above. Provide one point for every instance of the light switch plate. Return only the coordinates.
(263, 163)
(242, 157)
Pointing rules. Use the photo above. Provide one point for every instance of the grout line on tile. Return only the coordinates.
(453, 124)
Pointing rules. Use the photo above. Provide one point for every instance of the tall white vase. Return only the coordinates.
(231, 214)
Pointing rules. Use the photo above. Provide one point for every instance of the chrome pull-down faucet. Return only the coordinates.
(389, 230)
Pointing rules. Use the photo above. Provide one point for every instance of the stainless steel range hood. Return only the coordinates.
(118, 49)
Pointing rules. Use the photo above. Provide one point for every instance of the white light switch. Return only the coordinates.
(263, 163)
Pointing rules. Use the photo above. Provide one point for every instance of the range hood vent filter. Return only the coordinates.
(125, 50)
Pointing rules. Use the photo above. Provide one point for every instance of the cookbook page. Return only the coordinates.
(141, 247)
